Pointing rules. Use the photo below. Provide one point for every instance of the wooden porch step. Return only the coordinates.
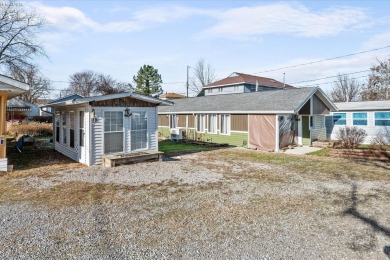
(114, 160)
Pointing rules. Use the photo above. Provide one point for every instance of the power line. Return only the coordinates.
(324, 83)
(328, 59)
(329, 77)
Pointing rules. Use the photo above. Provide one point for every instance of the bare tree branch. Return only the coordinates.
(345, 89)
(40, 86)
(203, 74)
(18, 32)
(378, 87)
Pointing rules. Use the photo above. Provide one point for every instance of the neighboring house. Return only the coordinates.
(242, 83)
(18, 110)
(372, 116)
(9, 88)
(267, 120)
(171, 96)
(85, 129)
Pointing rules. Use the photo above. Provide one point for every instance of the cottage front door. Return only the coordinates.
(305, 131)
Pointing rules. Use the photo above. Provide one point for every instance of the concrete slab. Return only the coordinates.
(302, 150)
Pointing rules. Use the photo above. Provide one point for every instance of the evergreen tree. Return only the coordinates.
(148, 80)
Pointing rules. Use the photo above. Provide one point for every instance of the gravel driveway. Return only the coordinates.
(201, 206)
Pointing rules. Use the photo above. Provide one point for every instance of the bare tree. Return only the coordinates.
(18, 35)
(378, 87)
(203, 74)
(87, 83)
(345, 89)
(40, 86)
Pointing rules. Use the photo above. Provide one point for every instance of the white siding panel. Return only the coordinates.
(319, 133)
(370, 128)
(97, 137)
(65, 148)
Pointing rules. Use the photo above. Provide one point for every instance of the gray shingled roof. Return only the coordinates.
(364, 105)
(279, 101)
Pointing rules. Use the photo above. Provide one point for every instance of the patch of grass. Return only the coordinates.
(323, 152)
(173, 148)
(314, 167)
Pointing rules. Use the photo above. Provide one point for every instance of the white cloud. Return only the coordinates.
(284, 18)
(379, 40)
(73, 19)
(64, 18)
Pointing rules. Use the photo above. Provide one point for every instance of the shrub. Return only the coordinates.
(33, 128)
(381, 139)
(351, 137)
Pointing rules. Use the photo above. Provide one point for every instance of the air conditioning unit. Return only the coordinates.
(176, 134)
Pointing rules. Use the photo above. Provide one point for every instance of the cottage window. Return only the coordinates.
(200, 123)
(139, 130)
(225, 124)
(58, 128)
(359, 118)
(64, 127)
(71, 129)
(212, 129)
(172, 121)
(81, 132)
(382, 118)
(311, 122)
(339, 118)
(113, 131)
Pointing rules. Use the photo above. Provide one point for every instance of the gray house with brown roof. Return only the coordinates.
(266, 120)
(242, 83)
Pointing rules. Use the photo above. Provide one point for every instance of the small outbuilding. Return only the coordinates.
(371, 116)
(86, 129)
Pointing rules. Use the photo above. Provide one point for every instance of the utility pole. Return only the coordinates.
(188, 67)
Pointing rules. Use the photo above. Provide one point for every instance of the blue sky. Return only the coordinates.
(118, 37)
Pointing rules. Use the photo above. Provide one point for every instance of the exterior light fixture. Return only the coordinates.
(93, 116)
(128, 112)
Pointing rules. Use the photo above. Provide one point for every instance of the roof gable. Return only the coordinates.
(240, 78)
(77, 101)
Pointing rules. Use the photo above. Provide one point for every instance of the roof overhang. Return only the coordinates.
(280, 112)
(12, 86)
(321, 95)
(80, 101)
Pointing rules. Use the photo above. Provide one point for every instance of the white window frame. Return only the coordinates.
(147, 131)
(173, 121)
(203, 124)
(123, 131)
(212, 120)
(63, 126)
(81, 128)
(72, 128)
(385, 119)
(365, 119)
(225, 130)
(312, 123)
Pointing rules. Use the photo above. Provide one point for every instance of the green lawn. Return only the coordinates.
(173, 148)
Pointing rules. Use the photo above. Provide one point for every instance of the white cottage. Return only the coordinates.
(85, 129)
(372, 116)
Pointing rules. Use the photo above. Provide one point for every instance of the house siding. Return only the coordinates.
(98, 131)
(163, 120)
(370, 128)
(319, 132)
(65, 148)
(319, 107)
(239, 123)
